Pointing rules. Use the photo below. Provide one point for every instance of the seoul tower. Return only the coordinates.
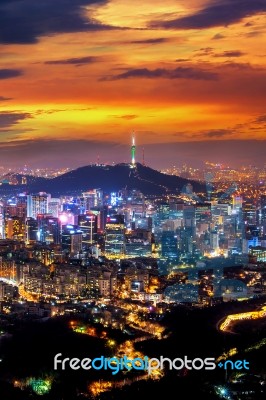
(133, 151)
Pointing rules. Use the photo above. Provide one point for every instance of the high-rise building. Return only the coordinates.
(37, 204)
(15, 228)
(237, 203)
(163, 213)
(249, 213)
(92, 198)
(16, 208)
(221, 209)
(203, 213)
(190, 219)
(169, 245)
(263, 213)
(31, 230)
(214, 240)
(115, 236)
(134, 205)
(48, 229)
(71, 239)
(88, 225)
(54, 207)
(2, 222)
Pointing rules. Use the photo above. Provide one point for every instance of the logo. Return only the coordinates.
(116, 364)
(234, 365)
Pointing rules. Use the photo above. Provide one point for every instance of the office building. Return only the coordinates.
(88, 225)
(115, 236)
(48, 229)
(31, 230)
(169, 245)
(71, 239)
(37, 204)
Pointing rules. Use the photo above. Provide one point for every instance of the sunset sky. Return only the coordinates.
(77, 77)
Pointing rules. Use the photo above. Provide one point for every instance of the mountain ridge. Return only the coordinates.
(109, 178)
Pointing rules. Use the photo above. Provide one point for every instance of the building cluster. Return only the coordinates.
(126, 245)
(220, 173)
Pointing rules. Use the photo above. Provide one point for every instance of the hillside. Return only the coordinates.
(108, 178)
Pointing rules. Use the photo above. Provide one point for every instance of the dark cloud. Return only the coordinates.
(216, 13)
(218, 36)
(177, 73)
(254, 33)
(3, 98)
(7, 73)
(207, 50)
(182, 60)
(8, 119)
(75, 61)
(204, 51)
(240, 66)
(230, 53)
(128, 116)
(150, 41)
(25, 21)
(57, 110)
(260, 119)
(217, 133)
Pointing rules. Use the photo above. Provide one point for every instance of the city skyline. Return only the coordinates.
(77, 79)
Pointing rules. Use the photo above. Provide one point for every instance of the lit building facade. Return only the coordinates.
(71, 239)
(37, 204)
(115, 236)
(88, 225)
(48, 229)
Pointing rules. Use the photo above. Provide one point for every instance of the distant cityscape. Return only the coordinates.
(219, 172)
(7, 174)
(123, 260)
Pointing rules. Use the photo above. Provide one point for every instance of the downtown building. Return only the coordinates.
(115, 236)
(37, 204)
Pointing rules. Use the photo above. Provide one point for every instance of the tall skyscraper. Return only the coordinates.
(37, 204)
(31, 230)
(115, 236)
(54, 207)
(71, 238)
(237, 203)
(249, 212)
(263, 213)
(169, 245)
(48, 229)
(2, 221)
(88, 225)
(14, 228)
(92, 198)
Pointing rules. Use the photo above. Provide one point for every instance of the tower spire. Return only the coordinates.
(133, 151)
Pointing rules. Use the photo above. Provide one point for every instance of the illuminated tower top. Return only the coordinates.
(133, 151)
